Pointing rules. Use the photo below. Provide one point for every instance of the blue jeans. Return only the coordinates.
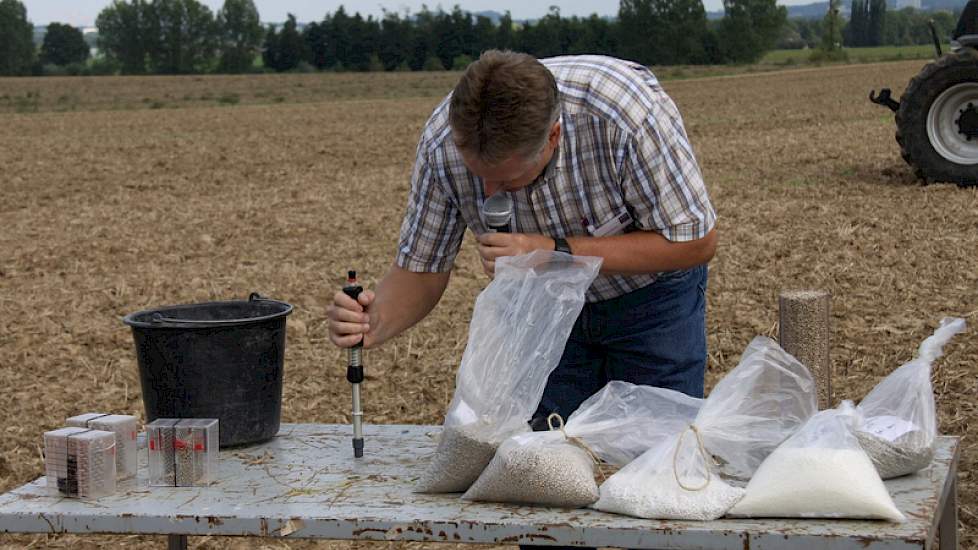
(655, 336)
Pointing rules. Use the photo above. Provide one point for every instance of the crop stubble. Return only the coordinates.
(105, 213)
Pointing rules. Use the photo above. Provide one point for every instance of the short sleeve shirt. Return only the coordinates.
(623, 155)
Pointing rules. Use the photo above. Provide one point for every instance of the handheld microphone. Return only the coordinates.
(498, 212)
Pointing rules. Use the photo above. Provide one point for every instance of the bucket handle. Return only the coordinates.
(158, 317)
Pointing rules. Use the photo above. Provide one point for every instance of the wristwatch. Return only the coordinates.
(561, 245)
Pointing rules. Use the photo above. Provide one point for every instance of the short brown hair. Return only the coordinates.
(505, 103)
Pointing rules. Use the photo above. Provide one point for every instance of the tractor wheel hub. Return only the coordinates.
(968, 122)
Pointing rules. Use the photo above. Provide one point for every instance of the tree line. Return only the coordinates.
(871, 25)
(185, 36)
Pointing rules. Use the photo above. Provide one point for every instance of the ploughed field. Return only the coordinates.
(122, 193)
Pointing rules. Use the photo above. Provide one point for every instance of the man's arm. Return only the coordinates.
(402, 299)
(632, 253)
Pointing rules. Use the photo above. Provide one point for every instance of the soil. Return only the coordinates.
(117, 206)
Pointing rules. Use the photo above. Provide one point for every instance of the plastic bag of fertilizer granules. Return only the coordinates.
(755, 407)
(900, 418)
(623, 420)
(519, 327)
(820, 472)
(752, 410)
(557, 468)
(674, 479)
(538, 468)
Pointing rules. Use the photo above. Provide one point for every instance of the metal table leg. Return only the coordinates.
(179, 542)
(947, 529)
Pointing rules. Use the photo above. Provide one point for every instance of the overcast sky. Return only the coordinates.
(84, 12)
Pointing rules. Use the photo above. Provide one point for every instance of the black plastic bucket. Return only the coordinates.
(219, 360)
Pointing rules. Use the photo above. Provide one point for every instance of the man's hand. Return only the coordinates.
(402, 299)
(349, 320)
(496, 245)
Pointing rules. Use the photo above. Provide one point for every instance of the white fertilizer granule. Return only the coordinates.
(660, 497)
(461, 456)
(817, 483)
(546, 474)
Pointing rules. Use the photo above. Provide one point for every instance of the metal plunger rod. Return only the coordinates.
(354, 371)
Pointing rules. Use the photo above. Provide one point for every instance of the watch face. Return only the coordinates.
(561, 245)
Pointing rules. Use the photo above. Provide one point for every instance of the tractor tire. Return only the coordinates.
(937, 123)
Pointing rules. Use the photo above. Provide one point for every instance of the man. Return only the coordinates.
(597, 162)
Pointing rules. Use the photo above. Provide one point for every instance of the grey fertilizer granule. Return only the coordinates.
(892, 459)
(546, 474)
(461, 456)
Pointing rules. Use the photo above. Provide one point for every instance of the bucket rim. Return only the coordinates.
(131, 319)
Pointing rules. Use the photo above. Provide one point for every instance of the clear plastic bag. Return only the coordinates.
(673, 479)
(557, 468)
(900, 416)
(517, 335)
(542, 468)
(755, 407)
(820, 472)
(748, 414)
(623, 420)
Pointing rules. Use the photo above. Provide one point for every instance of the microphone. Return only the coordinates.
(498, 212)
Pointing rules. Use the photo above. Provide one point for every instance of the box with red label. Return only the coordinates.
(182, 452)
(125, 428)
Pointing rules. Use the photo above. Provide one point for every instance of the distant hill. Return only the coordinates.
(816, 10)
(494, 16)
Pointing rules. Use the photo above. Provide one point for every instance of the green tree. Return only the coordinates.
(684, 39)
(750, 28)
(484, 34)
(16, 39)
(505, 33)
(461, 62)
(544, 38)
(364, 34)
(832, 36)
(830, 48)
(339, 29)
(269, 49)
(287, 47)
(856, 29)
(241, 33)
(877, 22)
(433, 63)
(186, 37)
(316, 37)
(594, 35)
(663, 32)
(453, 35)
(125, 32)
(638, 31)
(395, 40)
(63, 45)
(810, 31)
(423, 42)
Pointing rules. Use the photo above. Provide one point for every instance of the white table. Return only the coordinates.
(305, 483)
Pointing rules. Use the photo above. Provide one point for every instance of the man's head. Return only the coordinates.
(504, 116)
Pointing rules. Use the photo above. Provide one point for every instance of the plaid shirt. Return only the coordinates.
(623, 149)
